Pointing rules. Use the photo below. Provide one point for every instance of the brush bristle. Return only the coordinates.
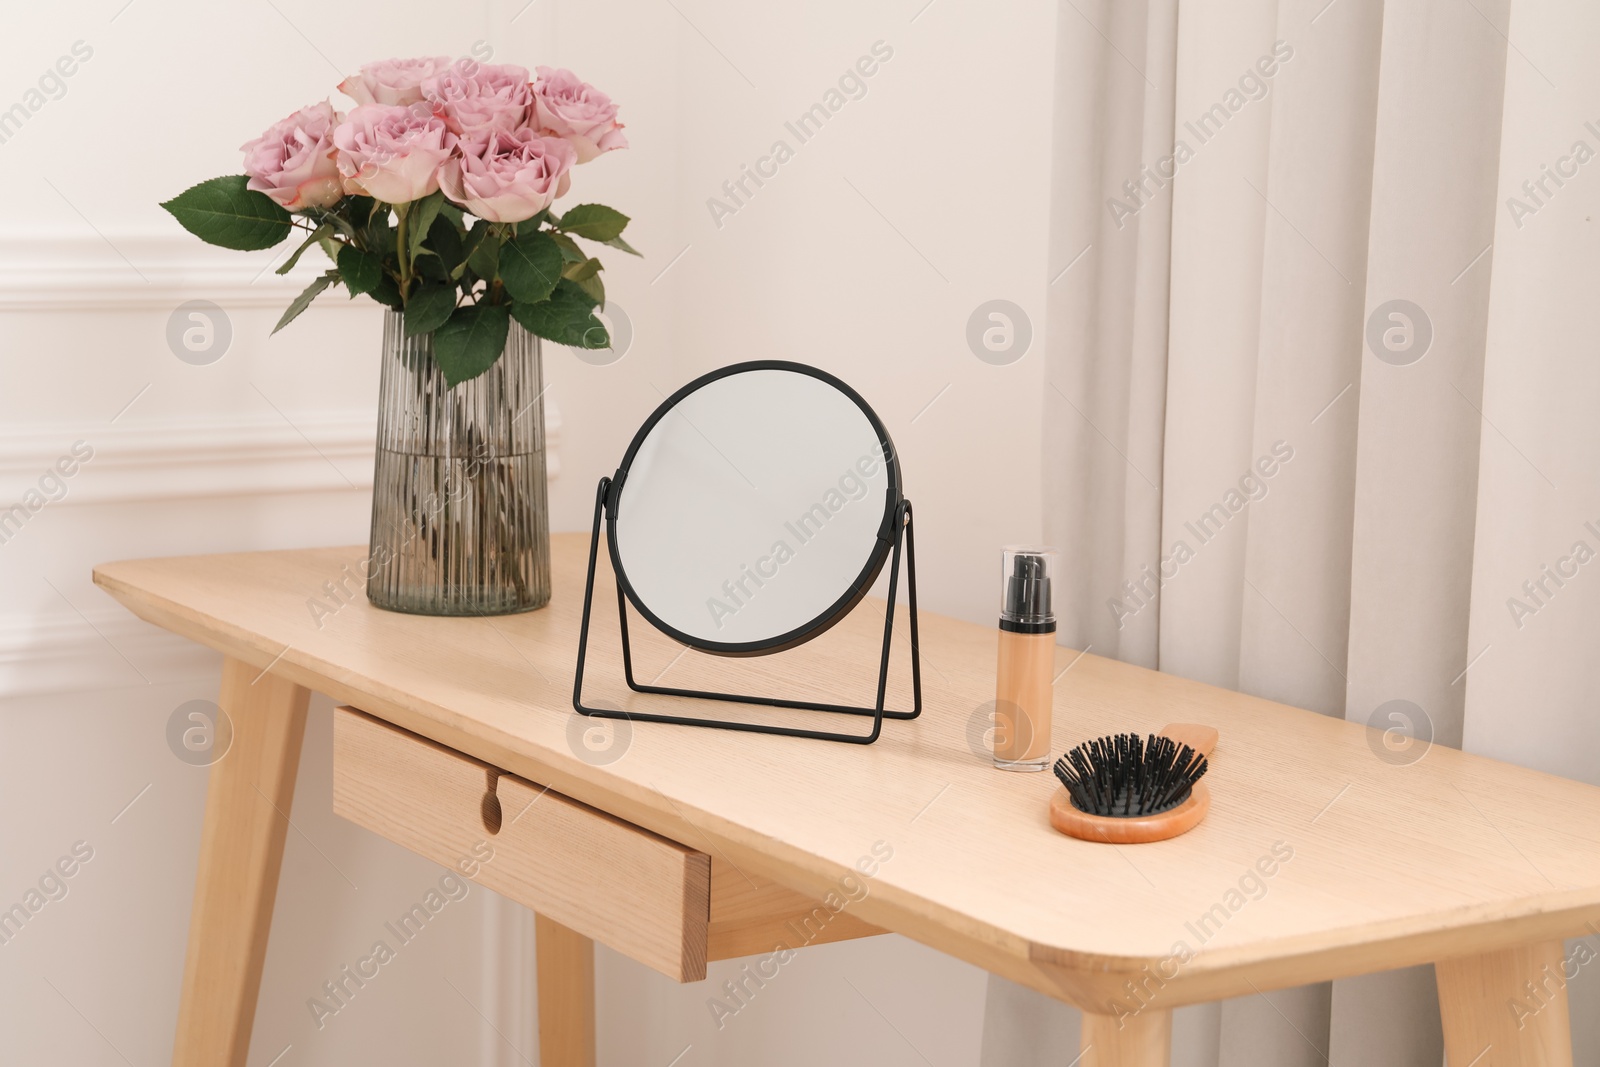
(1122, 776)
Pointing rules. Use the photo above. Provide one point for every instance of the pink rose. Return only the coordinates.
(391, 153)
(476, 98)
(293, 161)
(573, 109)
(393, 81)
(509, 176)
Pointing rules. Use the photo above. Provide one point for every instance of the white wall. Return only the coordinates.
(865, 255)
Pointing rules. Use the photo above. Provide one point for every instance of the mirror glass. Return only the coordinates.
(753, 508)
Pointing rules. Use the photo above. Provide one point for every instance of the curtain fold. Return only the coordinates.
(1533, 689)
(1321, 415)
(1103, 417)
(1440, 88)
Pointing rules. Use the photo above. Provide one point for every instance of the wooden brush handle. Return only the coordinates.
(1139, 830)
(1065, 817)
(1200, 738)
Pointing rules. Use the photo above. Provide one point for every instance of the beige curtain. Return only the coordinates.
(1323, 394)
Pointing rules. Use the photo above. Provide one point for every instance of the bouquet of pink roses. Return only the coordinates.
(434, 195)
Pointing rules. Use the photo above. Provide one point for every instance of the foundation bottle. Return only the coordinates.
(1023, 675)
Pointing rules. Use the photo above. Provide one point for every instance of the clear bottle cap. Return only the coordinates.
(1026, 574)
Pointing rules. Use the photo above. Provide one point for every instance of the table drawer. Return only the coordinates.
(635, 891)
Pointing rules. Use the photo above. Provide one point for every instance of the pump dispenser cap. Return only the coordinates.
(1027, 573)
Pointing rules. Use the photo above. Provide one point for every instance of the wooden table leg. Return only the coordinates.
(566, 995)
(1506, 1009)
(1142, 1040)
(241, 851)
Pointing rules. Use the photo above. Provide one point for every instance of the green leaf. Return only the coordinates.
(381, 235)
(617, 242)
(361, 270)
(330, 248)
(429, 307)
(483, 254)
(579, 271)
(567, 318)
(427, 268)
(223, 212)
(445, 242)
(303, 301)
(569, 248)
(593, 288)
(422, 213)
(471, 340)
(316, 235)
(387, 293)
(339, 216)
(586, 276)
(454, 214)
(530, 266)
(594, 221)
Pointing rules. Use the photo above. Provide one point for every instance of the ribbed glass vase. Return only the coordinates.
(460, 524)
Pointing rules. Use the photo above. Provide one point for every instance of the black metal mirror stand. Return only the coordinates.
(902, 534)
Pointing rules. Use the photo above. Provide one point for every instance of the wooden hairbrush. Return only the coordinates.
(1126, 790)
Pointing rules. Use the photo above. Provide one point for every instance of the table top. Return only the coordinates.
(1320, 857)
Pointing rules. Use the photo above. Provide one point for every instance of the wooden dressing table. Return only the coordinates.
(1319, 859)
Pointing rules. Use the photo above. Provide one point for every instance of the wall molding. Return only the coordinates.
(106, 647)
(250, 453)
(53, 273)
(59, 650)
(245, 454)
(116, 272)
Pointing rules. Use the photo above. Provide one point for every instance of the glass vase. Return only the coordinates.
(460, 522)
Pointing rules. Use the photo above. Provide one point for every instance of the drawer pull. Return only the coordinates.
(490, 808)
(662, 903)
(605, 878)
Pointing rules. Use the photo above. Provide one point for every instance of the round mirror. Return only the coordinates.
(754, 508)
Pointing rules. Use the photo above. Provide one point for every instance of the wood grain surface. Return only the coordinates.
(1319, 858)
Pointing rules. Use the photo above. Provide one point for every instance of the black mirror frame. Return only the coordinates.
(839, 608)
(895, 533)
